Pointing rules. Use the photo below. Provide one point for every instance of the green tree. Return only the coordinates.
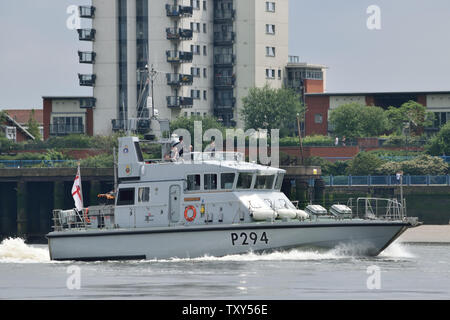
(411, 113)
(267, 108)
(440, 144)
(187, 123)
(33, 126)
(354, 120)
(364, 164)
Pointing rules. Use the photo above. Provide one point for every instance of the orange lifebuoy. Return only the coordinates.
(186, 216)
(86, 217)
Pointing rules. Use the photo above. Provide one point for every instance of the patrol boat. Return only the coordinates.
(212, 204)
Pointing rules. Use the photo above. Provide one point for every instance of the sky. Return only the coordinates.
(411, 51)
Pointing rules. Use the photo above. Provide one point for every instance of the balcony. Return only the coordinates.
(66, 129)
(87, 12)
(178, 34)
(224, 81)
(175, 79)
(180, 102)
(224, 38)
(178, 11)
(87, 80)
(221, 16)
(86, 34)
(226, 103)
(87, 103)
(179, 56)
(86, 57)
(224, 59)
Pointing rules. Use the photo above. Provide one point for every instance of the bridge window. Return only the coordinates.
(227, 180)
(126, 197)
(144, 194)
(279, 181)
(210, 181)
(244, 180)
(264, 182)
(193, 182)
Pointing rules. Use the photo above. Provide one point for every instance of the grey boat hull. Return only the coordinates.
(363, 237)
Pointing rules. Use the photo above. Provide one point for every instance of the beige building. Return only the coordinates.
(205, 54)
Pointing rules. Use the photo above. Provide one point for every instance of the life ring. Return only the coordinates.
(86, 217)
(186, 216)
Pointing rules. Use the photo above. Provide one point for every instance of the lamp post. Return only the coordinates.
(152, 75)
(300, 138)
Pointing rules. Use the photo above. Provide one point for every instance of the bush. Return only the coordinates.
(315, 140)
(404, 141)
(422, 165)
(338, 168)
(101, 161)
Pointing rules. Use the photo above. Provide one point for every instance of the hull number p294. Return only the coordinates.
(246, 239)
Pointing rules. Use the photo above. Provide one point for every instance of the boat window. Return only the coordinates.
(139, 152)
(227, 180)
(193, 182)
(244, 180)
(210, 181)
(279, 182)
(126, 197)
(144, 194)
(264, 182)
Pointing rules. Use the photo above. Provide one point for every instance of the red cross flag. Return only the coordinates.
(76, 191)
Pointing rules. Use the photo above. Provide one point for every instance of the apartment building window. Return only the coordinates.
(270, 73)
(270, 6)
(318, 118)
(204, 5)
(279, 74)
(270, 28)
(205, 73)
(195, 49)
(204, 28)
(204, 51)
(195, 94)
(205, 95)
(195, 26)
(270, 51)
(195, 72)
(195, 4)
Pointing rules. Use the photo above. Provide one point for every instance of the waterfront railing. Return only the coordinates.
(388, 180)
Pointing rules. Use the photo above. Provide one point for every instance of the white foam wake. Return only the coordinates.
(397, 250)
(291, 255)
(15, 250)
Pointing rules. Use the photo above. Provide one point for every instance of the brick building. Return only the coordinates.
(319, 105)
(67, 115)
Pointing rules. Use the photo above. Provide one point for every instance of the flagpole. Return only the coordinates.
(81, 187)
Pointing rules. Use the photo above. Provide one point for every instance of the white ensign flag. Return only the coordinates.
(76, 191)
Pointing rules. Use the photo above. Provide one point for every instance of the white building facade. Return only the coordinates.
(205, 54)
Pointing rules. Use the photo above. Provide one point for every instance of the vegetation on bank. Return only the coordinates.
(369, 163)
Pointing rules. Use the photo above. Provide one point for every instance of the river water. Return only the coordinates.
(402, 271)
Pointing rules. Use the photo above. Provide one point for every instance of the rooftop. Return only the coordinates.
(22, 116)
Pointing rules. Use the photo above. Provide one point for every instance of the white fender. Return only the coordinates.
(301, 214)
(287, 213)
(263, 214)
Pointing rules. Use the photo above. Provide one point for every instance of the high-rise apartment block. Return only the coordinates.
(205, 55)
